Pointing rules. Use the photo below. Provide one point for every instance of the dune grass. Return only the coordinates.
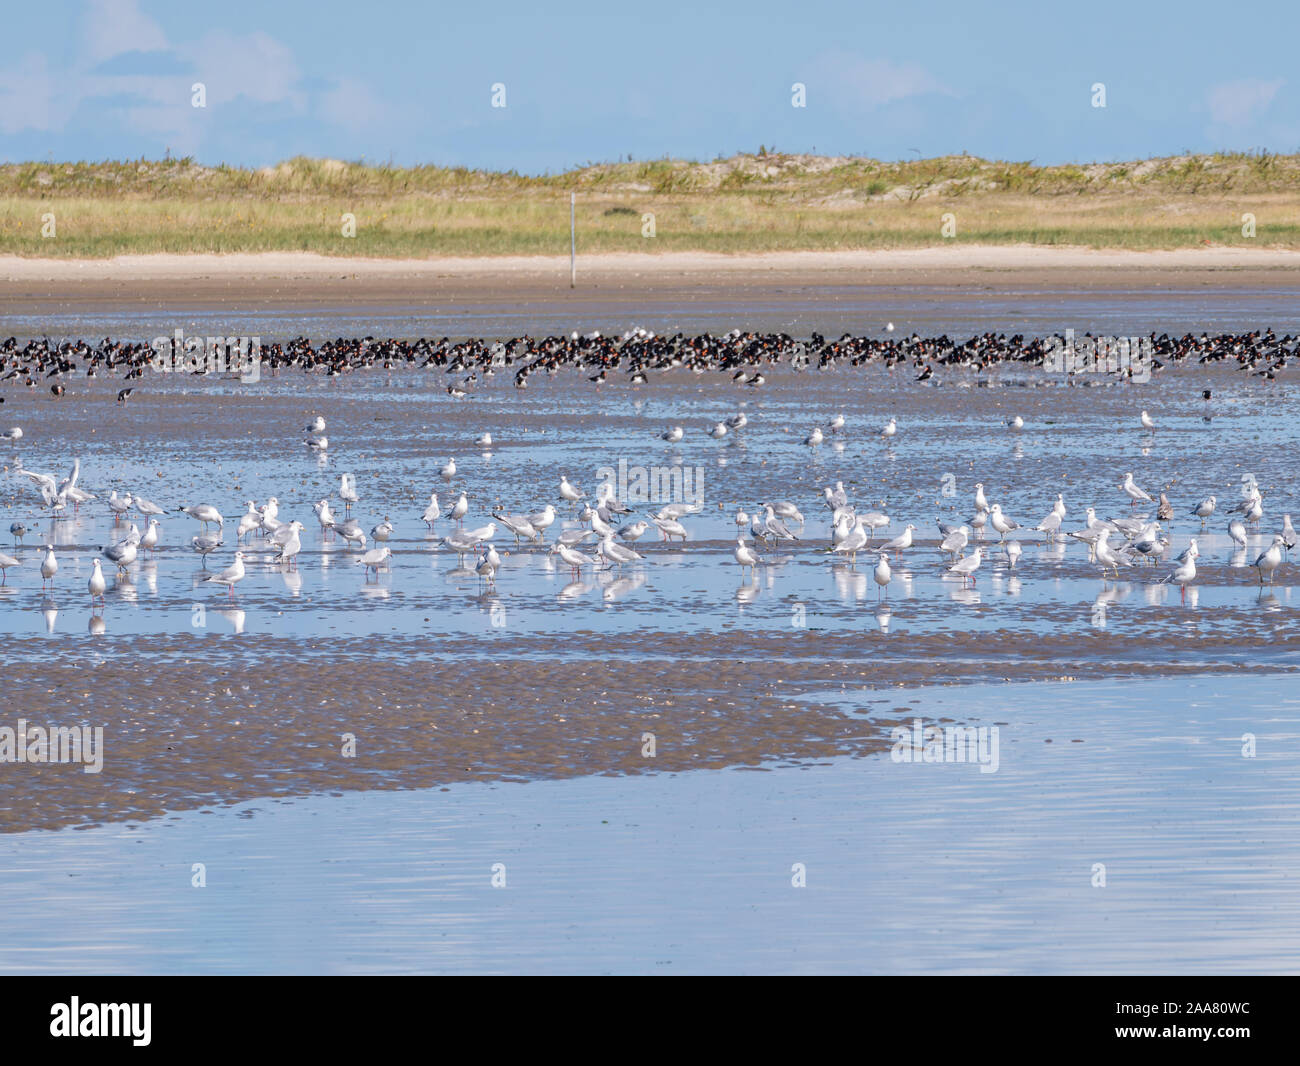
(749, 203)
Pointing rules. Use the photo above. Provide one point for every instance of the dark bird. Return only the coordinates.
(124, 395)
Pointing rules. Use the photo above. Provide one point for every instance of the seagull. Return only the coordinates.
(1288, 532)
(1001, 523)
(325, 517)
(672, 434)
(891, 427)
(1110, 560)
(205, 513)
(542, 520)
(785, 509)
(1050, 525)
(267, 517)
(147, 508)
(375, 558)
(901, 542)
(1013, 553)
(954, 543)
(432, 512)
(149, 542)
(874, 520)
(459, 543)
(1147, 421)
(122, 555)
(775, 527)
(1016, 423)
(616, 554)
(518, 525)
(383, 531)
(883, 575)
(853, 542)
(1134, 493)
(119, 505)
(1185, 572)
(348, 492)
(483, 440)
(1237, 531)
(205, 544)
(815, 437)
(572, 537)
(49, 565)
(249, 521)
(483, 533)
(1204, 509)
(981, 501)
(449, 471)
(488, 565)
(569, 492)
(718, 431)
(745, 556)
(965, 568)
(1148, 543)
(1270, 559)
(576, 560)
(16, 433)
(668, 527)
(316, 444)
(292, 545)
(316, 425)
(1165, 512)
(459, 509)
(6, 561)
(351, 532)
(17, 530)
(97, 586)
(677, 510)
(231, 575)
(632, 531)
(836, 498)
(837, 423)
(738, 421)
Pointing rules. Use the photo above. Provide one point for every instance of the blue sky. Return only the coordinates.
(95, 79)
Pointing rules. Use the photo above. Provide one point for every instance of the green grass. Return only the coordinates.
(749, 203)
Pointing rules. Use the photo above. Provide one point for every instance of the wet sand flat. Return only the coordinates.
(780, 287)
(1109, 800)
(443, 680)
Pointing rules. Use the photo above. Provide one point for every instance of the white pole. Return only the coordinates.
(573, 242)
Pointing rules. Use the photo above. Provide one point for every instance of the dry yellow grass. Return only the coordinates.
(750, 203)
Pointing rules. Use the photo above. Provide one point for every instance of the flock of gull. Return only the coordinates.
(635, 354)
(602, 532)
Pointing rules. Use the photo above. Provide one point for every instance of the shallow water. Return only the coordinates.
(795, 308)
(909, 867)
(458, 690)
(220, 443)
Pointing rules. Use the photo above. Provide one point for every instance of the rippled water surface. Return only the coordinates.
(503, 723)
(909, 867)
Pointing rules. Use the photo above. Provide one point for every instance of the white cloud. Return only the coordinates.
(353, 105)
(111, 27)
(27, 95)
(1237, 103)
(878, 81)
(252, 65)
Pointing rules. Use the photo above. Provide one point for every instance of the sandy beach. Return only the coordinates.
(277, 278)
